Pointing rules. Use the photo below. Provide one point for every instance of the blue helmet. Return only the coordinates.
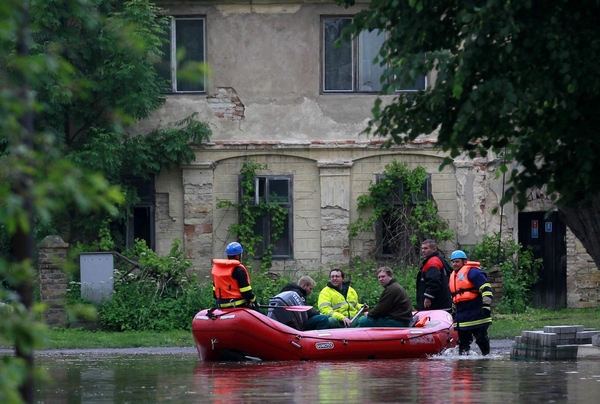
(234, 248)
(458, 254)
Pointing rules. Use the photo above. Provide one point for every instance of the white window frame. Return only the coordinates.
(173, 54)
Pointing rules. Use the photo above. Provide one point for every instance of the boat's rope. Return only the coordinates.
(210, 314)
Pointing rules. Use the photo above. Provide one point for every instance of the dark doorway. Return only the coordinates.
(140, 221)
(547, 238)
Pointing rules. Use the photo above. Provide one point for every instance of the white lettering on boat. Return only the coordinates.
(324, 345)
(227, 317)
(423, 339)
(201, 318)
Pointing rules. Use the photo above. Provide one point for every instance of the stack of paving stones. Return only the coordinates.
(554, 343)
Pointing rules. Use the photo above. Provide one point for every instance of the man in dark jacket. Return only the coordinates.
(394, 308)
(305, 286)
(432, 280)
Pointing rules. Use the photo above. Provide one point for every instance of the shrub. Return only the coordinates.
(518, 266)
(162, 296)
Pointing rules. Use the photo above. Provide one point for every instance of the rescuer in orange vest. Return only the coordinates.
(471, 297)
(231, 281)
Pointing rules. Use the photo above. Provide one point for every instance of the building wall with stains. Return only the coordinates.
(264, 102)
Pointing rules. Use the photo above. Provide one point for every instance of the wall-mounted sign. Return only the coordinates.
(548, 227)
(534, 229)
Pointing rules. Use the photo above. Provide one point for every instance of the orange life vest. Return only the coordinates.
(461, 288)
(225, 286)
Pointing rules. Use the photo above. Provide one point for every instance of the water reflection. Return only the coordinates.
(447, 378)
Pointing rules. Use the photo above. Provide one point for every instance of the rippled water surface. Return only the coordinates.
(181, 378)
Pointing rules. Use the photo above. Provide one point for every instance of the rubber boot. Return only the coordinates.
(484, 345)
(464, 342)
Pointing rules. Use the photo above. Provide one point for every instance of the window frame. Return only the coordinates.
(263, 224)
(356, 63)
(172, 57)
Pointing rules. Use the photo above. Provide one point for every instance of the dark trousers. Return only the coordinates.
(318, 322)
(465, 338)
(381, 322)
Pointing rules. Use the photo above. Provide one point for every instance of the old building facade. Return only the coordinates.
(280, 93)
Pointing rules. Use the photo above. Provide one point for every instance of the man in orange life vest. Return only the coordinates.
(231, 281)
(471, 297)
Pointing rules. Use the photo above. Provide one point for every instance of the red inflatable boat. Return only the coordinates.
(246, 334)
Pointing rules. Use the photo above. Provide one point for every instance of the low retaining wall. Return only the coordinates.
(554, 343)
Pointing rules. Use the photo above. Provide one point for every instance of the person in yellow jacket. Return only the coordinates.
(472, 296)
(339, 301)
(231, 281)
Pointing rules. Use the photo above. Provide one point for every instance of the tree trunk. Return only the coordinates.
(23, 240)
(584, 221)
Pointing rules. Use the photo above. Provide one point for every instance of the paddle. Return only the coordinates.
(358, 314)
(288, 308)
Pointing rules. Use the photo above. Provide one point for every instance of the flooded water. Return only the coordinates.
(181, 378)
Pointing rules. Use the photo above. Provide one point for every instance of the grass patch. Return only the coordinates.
(505, 326)
(82, 339)
(511, 325)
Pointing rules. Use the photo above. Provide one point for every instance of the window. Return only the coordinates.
(274, 189)
(391, 229)
(349, 67)
(186, 43)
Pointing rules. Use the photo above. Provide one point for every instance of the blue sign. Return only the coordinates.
(548, 227)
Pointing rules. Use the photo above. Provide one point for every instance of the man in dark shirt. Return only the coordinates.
(305, 286)
(394, 308)
(432, 280)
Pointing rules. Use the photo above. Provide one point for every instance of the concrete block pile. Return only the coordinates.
(553, 343)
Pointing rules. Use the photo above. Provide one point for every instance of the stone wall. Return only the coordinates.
(583, 277)
(497, 282)
(53, 280)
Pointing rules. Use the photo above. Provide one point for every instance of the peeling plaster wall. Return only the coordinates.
(479, 191)
(269, 55)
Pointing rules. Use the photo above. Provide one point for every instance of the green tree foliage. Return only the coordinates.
(101, 82)
(518, 266)
(35, 181)
(519, 78)
(72, 73)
